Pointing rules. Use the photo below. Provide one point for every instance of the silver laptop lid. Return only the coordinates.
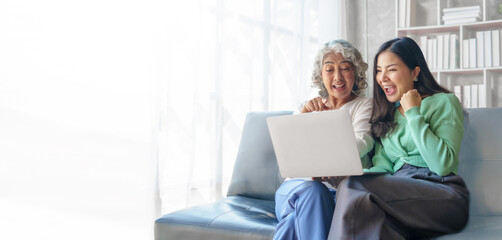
(315, 144)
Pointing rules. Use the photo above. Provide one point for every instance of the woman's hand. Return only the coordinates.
(410, 99)
(333, 181)
(315, 104)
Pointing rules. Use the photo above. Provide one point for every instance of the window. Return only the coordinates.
(226, 58)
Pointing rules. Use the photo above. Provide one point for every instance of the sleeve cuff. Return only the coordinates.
(412, 112)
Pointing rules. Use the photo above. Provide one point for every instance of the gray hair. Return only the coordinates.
(350, 53)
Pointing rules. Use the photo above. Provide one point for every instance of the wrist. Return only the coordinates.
(412, 111)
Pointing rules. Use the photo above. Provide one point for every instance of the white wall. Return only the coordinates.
(76, 119)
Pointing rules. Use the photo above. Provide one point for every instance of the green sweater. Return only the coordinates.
(429, 136)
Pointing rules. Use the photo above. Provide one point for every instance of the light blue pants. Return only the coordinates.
(304, 210)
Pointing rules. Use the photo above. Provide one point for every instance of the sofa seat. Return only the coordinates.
(234, 217)
(479, 227)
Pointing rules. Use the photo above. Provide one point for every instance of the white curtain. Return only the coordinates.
(226, 58)
(76, 135)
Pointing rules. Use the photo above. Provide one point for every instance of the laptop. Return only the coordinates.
(315, 144)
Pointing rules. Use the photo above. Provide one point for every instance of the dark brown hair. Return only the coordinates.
(382, 116)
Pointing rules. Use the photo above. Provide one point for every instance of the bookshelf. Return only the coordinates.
(456, 52)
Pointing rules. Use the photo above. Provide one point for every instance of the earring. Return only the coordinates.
(415, 80)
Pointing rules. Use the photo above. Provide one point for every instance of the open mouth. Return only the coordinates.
(389, 90)
(339, 86)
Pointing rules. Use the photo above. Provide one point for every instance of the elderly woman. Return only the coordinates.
(305, 208)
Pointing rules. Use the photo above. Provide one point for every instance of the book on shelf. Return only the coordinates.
(410, 13)
(457, 89)
(402, 14)
(472, 53)
(429, 52)
(488, 48)
(496, 48)
(485, 98)
(465, 53)
(479, 49)
(434, 56)
(462, 20)
(460, 9)
(446, 51)
(407, 13)
(466, 96)
(423, 46)
(463, 14)
(440, 52)
(474, 96)
(482, 96)
(454, 52)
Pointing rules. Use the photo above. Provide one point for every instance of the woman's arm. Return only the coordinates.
(438, 140)
(362, 127)
(381, 163)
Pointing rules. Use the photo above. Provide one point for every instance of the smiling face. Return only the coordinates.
(393, 76)
(338, 78)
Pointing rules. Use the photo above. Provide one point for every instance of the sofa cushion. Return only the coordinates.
(234, 217)
(256, 173)
(479, 227)
(481, 161)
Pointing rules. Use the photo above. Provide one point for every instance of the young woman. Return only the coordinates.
(418, 128)
(304, 208)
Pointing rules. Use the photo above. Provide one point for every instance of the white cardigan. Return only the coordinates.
(360, 111)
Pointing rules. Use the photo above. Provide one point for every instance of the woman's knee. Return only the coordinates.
(315, 187)
(360, 182)
(300, 185)
(345, 183)
(349, 190)
(300, 192)
(296, 188)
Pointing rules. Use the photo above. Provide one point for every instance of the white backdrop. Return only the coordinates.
(76, 133)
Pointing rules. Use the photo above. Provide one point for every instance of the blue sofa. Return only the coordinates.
(248, 210)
